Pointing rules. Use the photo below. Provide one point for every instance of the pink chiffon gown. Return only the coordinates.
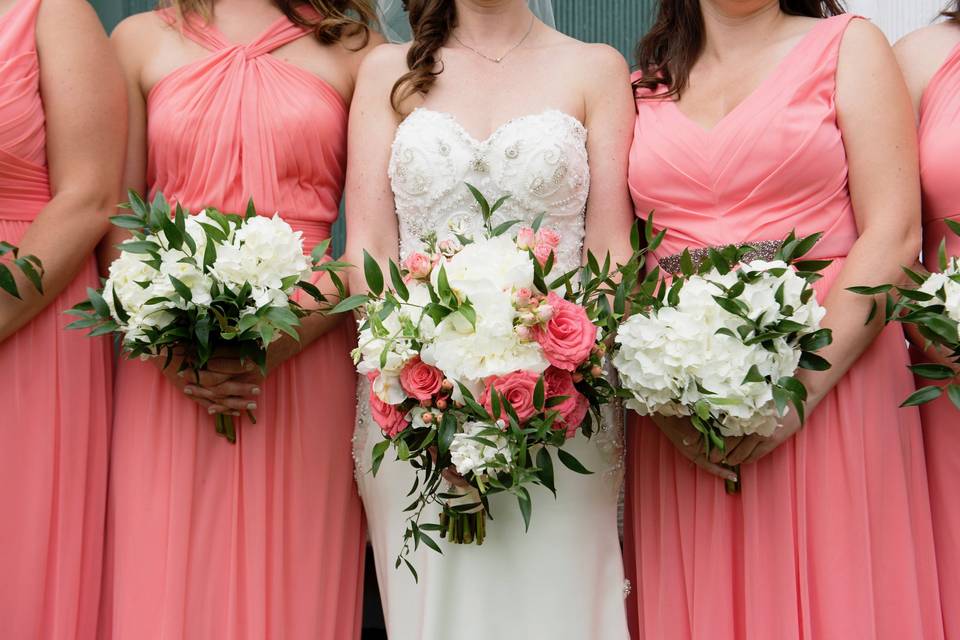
(831, 537)
(54, 396)
(264, 539)
(939, 149)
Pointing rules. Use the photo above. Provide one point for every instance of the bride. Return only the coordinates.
(489, 94)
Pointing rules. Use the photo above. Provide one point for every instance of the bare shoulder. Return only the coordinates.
(922, 52)
(68, 14)
(139, 34)
(598, 64)
(862, 40)
(384, 63)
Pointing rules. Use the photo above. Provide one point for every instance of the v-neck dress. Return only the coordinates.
(831, 536)
(261, 540)
(939, 150)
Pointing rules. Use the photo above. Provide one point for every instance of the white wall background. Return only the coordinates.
(897, 17)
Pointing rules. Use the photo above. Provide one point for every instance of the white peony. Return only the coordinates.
(951, 290)
(469, 455)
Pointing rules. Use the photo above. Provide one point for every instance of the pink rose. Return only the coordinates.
(523, 298)
(549, 238)
(573, 409)
(526, 238)
(391, 420)
(420, 380)
(418, 265)
(516, 388)
(568, 337)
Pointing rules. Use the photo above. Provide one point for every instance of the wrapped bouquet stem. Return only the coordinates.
(721, 341)
(188, 286)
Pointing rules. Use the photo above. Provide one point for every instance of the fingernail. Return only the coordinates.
(251, 406)
(235, 414)
(211, 410)
(188, 391)
(732, 478)
(255, 391)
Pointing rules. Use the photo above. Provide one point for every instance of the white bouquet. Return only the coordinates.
(196, 283)
(721, 345)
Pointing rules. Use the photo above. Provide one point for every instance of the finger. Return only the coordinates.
(763, 449)
(717, 455)
(214, 409)
(715, 469)
(743, 450)
(238, 404)
(237, 389)
(232, 366)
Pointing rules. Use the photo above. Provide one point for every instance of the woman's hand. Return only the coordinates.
(227, 385)
(688, 441)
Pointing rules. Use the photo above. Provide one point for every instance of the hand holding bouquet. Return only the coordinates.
(194, 284)
(478, 364)
(722, 342)
(932, 306)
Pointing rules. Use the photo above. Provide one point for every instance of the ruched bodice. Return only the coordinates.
(24, 187)
(939, 146)
(242, 123)
(540, 161)
(774, 164)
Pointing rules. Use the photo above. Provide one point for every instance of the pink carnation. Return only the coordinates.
(516, 388)
(573, 409)
(569, 335)
(549, 238)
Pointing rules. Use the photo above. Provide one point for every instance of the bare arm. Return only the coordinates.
(610, 119)
(85, 114)
(881, 148)
(371, 217)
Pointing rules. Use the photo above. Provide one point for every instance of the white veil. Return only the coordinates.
(396, 27)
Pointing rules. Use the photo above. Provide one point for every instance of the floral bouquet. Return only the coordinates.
(29, 266)
(932, 305)
(192, 284)
(721, 343)
(478, 362)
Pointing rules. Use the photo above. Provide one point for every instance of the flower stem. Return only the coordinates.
(733, 486)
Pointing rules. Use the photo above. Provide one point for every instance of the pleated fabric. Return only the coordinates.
(939, 149)
(831, 536)
(54, 403)
(263, 539)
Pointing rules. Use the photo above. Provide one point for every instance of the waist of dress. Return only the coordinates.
(759, 250)
(22, 204)
(314, 231)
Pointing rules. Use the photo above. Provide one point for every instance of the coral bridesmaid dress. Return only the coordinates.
(262, 539)
(939, 149)
(831, 536)
(54, 402)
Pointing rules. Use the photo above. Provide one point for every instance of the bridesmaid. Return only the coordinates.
(930, 59)
(60, 166)
(756, 117)
(229, 100)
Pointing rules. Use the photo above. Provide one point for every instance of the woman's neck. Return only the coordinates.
(492, 24)
(736, 26)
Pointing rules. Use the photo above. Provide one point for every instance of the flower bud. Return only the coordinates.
(596, 371)
(526, 238)
(442, 404)
(427, 417)
(544, 313)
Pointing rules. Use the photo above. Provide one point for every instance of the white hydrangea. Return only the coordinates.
(666, 358)
(469, 455)
(134, 282)
(951, 289)
(264, 252)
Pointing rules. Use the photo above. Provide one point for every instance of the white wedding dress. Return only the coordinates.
(563, 580)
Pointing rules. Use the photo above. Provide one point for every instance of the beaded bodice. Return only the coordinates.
(540, 161)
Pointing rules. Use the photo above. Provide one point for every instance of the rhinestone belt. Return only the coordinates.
(762, 250)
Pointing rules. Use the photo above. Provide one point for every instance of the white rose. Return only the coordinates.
(469, 455)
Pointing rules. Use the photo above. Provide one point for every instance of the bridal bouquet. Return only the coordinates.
(29, 266)
(721, 343)
(932, 305)
(189, 285)
(478, 364)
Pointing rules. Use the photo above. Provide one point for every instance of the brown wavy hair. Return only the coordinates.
(952, 11)
(431, 21)
(668, 52)
(337, 18)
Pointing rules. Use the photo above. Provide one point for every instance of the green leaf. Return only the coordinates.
(99, 304)
(933, 371)
(139, 246)
(379, 450)
(182, 290)
(127, 222)
(481, 201)
(922, 396)
(539, 392)
(813, 362)
(448, 429)
(251, 210)
(816, 340)
(373, 274)
(545, 469)
(753, 375)
(870, 291)
(349, 304)
(812, 266)
(118, 308)
(953, 392)
(942, 326)
(503, 227)
(26, 266)
(398, 284)
(686, 263)
(523, 500)
(570, 462)
(8, 283)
